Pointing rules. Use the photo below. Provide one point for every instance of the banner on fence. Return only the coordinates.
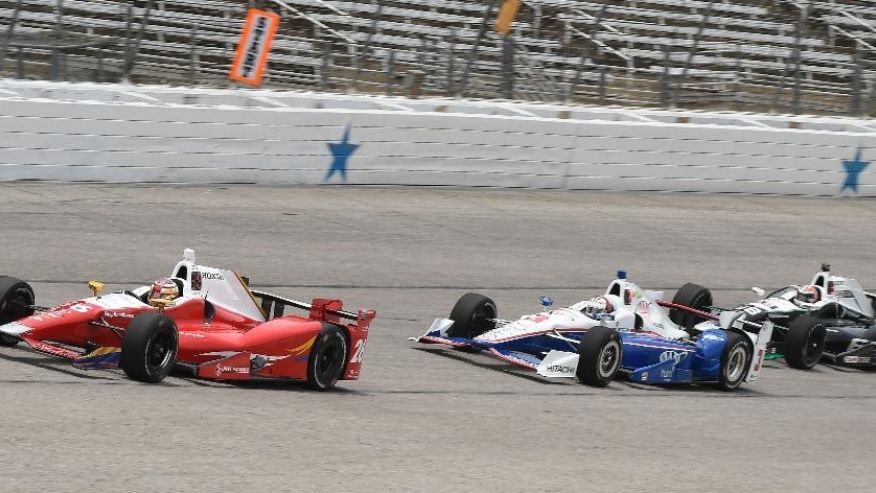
(254, 47)
(506, 16)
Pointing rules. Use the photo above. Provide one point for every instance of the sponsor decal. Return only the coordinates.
(57, 351)
(711, 337)
(213, 276)
(856, 359)
(644, 376)
(643, 309)
(760, 355)
(254, 47)
(196, 335)
(676, 356)
(61, 312)
(561, 369)
(666, 373)
(118, 315)
(222, 370)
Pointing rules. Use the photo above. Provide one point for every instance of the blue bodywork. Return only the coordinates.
(646, 358)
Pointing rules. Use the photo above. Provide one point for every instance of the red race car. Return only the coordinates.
(203, 318)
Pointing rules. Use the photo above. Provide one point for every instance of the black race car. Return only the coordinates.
(832, 319)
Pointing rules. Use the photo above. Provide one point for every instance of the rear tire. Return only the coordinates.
(149, 347)
(735, 361)
(472, 315)
(328, 358)
(15, 298)
(804, 343)
(693, 296)
(599, 356)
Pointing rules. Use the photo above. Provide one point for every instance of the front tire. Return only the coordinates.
(149, 347)
(735, 361)
(599, 356)
(693, 296)
(16, 299)
(472, 315)
(805, 341)
(328, 358)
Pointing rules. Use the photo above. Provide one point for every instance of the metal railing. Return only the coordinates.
(573, 64)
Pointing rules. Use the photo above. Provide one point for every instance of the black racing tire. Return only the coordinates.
(735, 361)
(599, 356)
(16, 297)
(804, 344)
(328, 358)
(149, 347)
(472, 315)
(693, 296)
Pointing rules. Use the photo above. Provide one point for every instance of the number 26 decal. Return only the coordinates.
(359, 353)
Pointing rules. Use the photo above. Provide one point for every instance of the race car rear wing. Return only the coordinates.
(274, 305)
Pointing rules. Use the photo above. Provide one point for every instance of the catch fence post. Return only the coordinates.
(9, 31)
(450, 63)
(390, 73)
(855, 96)
(507, 90)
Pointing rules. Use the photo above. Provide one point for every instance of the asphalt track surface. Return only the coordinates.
(428, 419)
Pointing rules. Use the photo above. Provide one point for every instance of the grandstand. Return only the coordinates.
(769, 56)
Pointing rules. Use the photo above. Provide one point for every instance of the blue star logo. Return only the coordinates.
(341, 152)
(854, 167)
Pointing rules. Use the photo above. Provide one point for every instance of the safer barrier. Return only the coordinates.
(155, 141)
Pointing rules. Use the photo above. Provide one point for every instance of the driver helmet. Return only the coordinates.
(809, 294)
(600, 308)
(163, 289)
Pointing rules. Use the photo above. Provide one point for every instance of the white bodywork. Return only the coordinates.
(628, 302)
(845, 292)
(221, 287)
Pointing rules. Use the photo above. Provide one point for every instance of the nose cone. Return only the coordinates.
(77, 313)
(14, 329)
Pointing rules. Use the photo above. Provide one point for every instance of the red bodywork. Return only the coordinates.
(218, 343)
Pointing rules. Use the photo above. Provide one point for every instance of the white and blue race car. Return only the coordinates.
(625, 330)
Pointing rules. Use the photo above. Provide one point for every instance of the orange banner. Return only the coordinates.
(254, 47)
(506, 16)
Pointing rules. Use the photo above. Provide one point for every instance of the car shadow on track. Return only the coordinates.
(46, 363)
(276, 384)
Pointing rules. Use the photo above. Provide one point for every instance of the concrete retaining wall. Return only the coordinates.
(48, 139)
